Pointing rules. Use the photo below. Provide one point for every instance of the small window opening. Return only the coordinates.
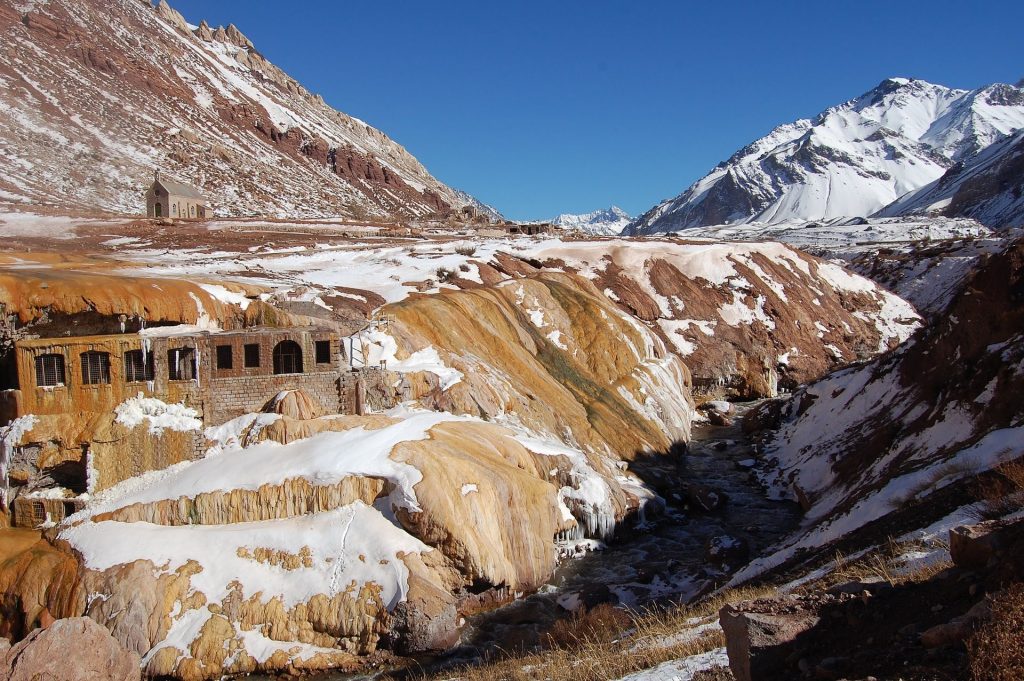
(224, 358)
(138, 366)
(287, 358)
(252, 355)
(181, 364)
(323, 352)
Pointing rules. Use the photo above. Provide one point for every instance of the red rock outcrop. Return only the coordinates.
(132, 88)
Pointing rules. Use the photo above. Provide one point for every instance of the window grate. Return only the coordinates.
(95, 367)
(181, 364)
(287, 358)
(50, 370)
(138, 366)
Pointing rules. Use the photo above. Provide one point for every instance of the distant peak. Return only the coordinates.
(1020, 83)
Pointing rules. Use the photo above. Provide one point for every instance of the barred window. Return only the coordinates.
(50, 370)
(138, 366)
(181, 364)
(252, 355)
(95, 367)
(287, 358)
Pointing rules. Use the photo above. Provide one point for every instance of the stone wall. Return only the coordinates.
(228, 398)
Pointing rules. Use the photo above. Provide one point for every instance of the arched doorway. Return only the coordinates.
(158, 210)
(287, 358)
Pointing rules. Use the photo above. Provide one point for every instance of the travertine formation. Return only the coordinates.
(308, 540)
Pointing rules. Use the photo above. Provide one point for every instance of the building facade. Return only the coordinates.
(169, 199)
(222, 374)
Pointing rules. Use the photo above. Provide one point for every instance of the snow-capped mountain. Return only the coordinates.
(610, 220)
(988, 187)
(851, 160)
(96, 94)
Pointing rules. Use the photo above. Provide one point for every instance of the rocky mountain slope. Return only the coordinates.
(988, 187)
(96, 95)
(850, 160)
(869, 440)
(607, 221)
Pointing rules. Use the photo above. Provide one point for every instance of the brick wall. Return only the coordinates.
(231, 397)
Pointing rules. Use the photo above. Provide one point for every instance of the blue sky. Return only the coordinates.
(568, 106)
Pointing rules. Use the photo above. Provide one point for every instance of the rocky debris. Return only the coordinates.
(958, 629)
(704, 498)
(71, 650)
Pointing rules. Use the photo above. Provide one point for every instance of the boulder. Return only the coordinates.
(719, 412)
(754, 640)
(972, 547)
(70, 649)
(295, 404)
(958, 629)
(726, 551)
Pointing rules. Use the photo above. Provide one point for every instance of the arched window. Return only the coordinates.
(50, 370)
(158, 210)
(95, 367)
(192, 210)
(174, 209)
(287, 358)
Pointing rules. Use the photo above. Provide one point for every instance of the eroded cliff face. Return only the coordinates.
(303, 541)
(553, 354)
(746, 318)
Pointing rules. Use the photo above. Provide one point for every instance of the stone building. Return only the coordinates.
(222, 374)
(529, 228)
(71, 387)
(169, 199)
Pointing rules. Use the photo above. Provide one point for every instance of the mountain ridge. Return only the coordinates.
(605, 221)
(851, 159)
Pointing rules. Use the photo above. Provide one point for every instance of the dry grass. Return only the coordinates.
(607, 643)
(1002, 491)
(884, 563)
(996, 651)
